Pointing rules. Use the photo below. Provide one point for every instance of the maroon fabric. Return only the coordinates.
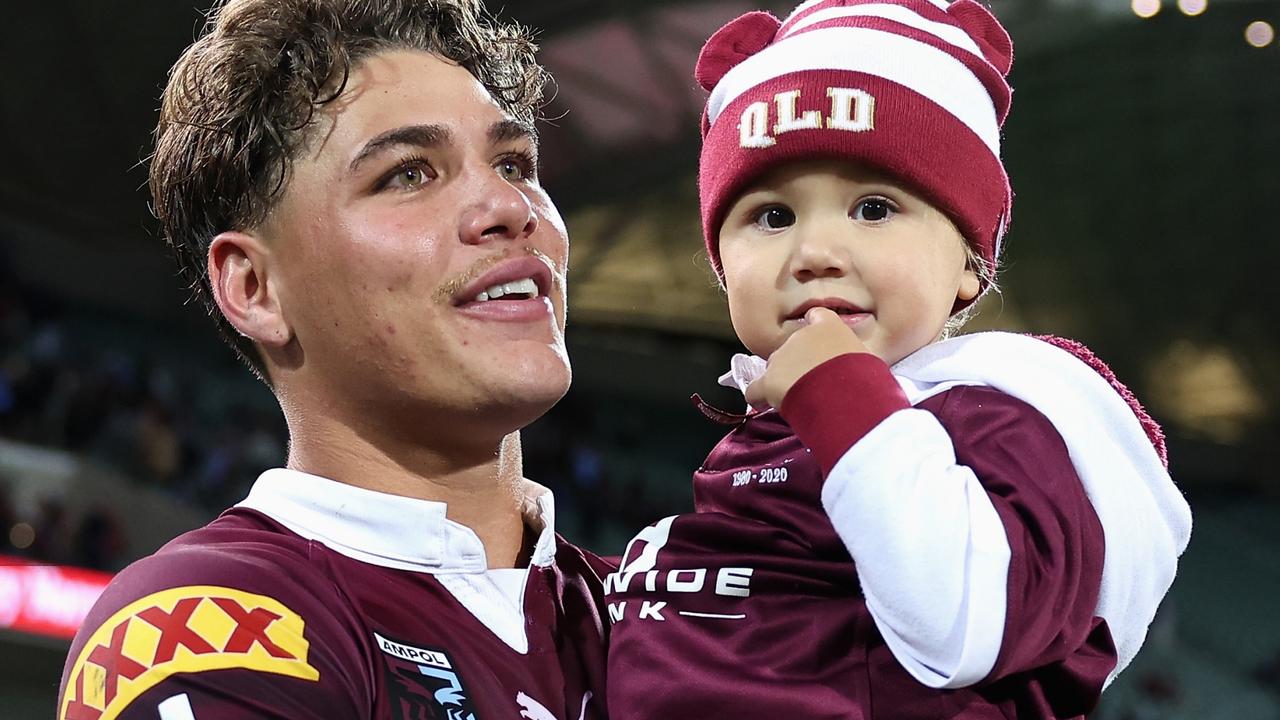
(802, 643)
(738, 40)
(861, 376)
(342, 603)
(716, 415)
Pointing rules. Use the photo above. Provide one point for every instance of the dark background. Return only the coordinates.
(1144, 153)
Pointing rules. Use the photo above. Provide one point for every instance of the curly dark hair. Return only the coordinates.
(240, 105)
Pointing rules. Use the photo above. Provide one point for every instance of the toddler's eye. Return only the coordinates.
(873, 210)
(775, 217)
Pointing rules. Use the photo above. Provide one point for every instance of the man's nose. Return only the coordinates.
(820, 252)
(499, 211)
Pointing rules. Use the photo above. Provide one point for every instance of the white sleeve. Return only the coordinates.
(931, 551)
(1145, 519)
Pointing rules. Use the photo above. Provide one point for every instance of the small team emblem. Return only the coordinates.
(424, 680)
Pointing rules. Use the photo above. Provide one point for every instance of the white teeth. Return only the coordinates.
(525, 287)
(517, 287)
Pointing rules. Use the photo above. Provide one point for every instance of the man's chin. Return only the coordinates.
(531, 398)
(519, 392)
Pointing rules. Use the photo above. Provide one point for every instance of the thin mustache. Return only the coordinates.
(446, 292)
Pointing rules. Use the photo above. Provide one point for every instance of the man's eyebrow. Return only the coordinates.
(423, 136)
(505, 131)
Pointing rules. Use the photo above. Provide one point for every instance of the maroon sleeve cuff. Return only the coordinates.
(837, 403)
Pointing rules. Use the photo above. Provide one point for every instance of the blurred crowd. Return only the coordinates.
(51, 533)
(609, 481)
(123, 408)
(129, 410)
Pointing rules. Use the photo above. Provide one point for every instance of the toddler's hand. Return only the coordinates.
(824, 337)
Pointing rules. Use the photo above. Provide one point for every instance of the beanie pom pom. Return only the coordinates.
(983, 27)
(733, 43)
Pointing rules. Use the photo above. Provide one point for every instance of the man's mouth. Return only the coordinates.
(513, 280)
(511, 290)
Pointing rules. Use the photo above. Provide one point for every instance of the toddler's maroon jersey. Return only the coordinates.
(752, 607)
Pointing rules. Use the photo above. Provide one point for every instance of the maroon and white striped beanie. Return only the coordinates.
(915, 88)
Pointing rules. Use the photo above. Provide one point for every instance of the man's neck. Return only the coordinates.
(482, 486)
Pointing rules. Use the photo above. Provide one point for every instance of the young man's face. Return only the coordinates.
(834, 234)
(416, 198)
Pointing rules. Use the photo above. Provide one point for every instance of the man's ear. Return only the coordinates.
(240, 275)
(970, 286)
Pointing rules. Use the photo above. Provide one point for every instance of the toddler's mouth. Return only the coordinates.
(839, 306)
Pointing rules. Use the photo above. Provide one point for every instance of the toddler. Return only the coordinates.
(903, 526)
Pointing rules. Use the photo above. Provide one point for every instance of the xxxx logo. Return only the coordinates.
(183, 630)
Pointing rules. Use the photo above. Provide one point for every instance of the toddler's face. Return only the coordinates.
(830, 233)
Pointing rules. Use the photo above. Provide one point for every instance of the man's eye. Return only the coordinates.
(516, 168)
(408, 175)
(510, 170)
(873, 210)
(775, 217)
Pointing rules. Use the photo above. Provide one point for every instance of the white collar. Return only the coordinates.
(743, 370)
(389, 530)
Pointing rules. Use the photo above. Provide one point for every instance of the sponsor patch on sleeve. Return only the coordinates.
(183, 630)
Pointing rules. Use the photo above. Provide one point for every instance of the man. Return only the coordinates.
(351, 187)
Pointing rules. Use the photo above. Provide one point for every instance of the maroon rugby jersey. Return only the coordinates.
(752, 607)
(316, 599)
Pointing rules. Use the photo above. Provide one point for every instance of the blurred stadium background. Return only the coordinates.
(1144, 147)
